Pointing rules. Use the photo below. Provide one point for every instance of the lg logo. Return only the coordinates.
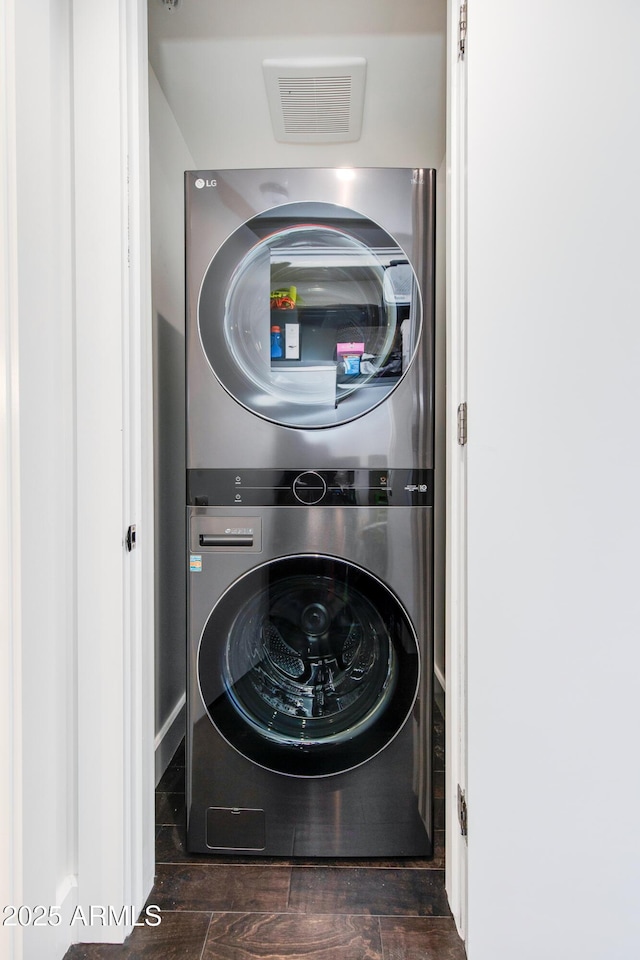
(200, 183)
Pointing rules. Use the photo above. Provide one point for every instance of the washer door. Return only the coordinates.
(308, 666)
(309, 315)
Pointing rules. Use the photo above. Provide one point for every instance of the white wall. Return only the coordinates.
(553, 466)
(208, 60)
(169, 158)
(10, 660)
(47, 463)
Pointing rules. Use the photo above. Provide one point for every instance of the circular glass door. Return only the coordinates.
(308, 666)
(309, 315)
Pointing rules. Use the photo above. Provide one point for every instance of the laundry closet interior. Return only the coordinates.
(210, 77)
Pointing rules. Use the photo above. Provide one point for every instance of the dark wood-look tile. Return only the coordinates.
(179, 936)
(421, 938)
(368, 890)
(170, 808)
(221, 887)
(292, 937)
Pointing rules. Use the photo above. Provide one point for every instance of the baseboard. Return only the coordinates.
(169, 738)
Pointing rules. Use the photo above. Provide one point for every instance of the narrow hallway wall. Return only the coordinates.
(169, 158)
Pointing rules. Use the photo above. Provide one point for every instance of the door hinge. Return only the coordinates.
(462, 424)
(462, 811)
(462, 32)
(130, 539)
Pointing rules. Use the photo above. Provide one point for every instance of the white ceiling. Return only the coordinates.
(207, 56)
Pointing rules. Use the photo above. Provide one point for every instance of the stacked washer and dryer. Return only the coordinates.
(310, 491)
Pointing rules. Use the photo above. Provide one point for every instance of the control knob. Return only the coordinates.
(309, 487)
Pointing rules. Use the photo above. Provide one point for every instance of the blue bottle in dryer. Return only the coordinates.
(276, 342)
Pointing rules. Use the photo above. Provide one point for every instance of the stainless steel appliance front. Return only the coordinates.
(310, 677)
(310, 299)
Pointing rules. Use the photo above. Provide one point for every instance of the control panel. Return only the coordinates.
(310, 487)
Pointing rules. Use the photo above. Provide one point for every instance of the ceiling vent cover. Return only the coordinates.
(316, 101)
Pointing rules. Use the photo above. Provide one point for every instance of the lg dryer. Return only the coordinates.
(310, 307)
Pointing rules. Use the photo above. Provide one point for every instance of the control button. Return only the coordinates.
(309, 487)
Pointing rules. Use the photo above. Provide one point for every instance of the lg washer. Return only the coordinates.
(310, 663)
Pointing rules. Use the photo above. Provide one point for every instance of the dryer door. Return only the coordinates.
(308, 666)
(309, 314)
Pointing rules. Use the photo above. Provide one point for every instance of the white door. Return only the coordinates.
(77, 613)
(553, 527)
(115, 516)
(456, 548)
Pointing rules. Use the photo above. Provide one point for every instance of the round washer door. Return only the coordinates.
(308, 666)
(309, 315)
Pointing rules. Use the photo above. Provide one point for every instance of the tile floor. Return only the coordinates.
(217, 908)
